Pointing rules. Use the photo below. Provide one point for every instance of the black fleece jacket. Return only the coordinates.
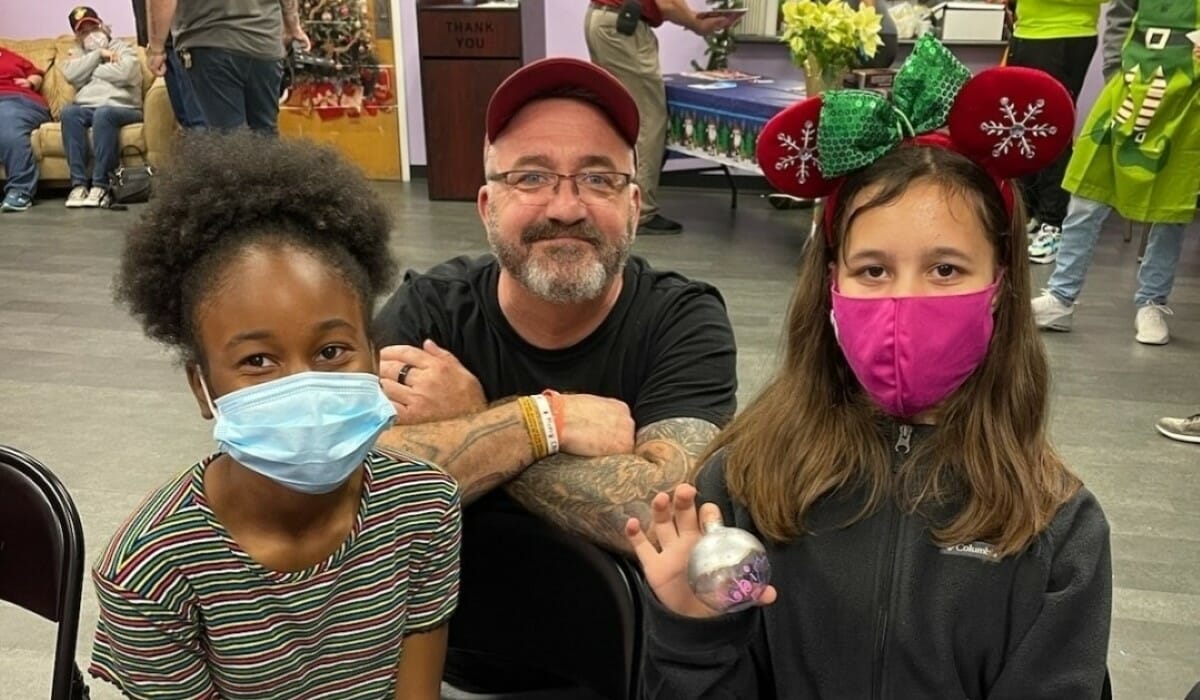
(877, 610)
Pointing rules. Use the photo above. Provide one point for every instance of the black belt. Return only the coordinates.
(1159, 38)
(610, 8)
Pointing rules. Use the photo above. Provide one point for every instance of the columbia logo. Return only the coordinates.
(979, 550)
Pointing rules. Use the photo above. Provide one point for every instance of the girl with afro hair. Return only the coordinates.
(296, 561)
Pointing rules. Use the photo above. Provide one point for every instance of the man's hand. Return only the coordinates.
(22, 82)
(156, 59)
(436, 386)
(296, 33)
(594, 426)
(107, 55)
(709, 25)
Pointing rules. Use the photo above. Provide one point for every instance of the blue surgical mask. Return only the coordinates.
(307, 431)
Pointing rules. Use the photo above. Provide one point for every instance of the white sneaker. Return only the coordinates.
(1151, 324)
(1051, 314)
(94, 197)
(1182, 429)
(78, 197)
(1044, 247)
(1032, 226)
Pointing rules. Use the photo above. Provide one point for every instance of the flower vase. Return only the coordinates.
(819, 78)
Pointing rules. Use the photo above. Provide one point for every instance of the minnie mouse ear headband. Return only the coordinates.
(1010, 121)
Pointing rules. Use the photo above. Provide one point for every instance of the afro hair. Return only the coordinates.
(226, 192)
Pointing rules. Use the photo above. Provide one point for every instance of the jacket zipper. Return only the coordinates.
(902, 448)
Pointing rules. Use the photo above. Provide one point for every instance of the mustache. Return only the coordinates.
(548, 230)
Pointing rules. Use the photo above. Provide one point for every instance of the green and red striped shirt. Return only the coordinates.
(186, 613)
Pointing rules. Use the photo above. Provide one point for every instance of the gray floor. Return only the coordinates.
(81, 389)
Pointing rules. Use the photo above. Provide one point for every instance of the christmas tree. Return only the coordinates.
(342, 50)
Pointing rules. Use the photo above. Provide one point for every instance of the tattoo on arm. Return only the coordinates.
(291, 12)
(595, 496)
(481, 451)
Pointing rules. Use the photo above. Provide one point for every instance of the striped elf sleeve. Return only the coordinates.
(433, 588)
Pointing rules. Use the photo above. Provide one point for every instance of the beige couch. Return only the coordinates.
(153, 136)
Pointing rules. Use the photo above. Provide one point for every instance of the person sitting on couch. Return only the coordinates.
(107, 77)
(22, 109)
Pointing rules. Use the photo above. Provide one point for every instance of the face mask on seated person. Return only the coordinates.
(307, 431)
(96, 40)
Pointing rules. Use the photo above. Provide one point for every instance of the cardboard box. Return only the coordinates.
(865, 78)
(969, 20)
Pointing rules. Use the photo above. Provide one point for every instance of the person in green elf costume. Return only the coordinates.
(1138, 153)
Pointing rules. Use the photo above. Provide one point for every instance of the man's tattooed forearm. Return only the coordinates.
(595, 496)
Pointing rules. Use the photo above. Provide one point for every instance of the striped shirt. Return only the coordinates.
(186, 613)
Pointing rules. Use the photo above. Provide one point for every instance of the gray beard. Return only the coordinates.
(561, 274)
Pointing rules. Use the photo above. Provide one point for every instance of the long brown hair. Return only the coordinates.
(813, 431)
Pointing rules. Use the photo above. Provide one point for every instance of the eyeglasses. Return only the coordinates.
(540, 186)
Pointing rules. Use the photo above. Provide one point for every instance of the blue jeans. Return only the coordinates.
(235, 90)
(19, 116)
(180, 92)
(1081, 228)
(106, 123)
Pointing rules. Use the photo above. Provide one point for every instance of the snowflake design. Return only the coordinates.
(1018, 131)
(802, 154)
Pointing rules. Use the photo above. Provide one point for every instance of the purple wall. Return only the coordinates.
(564, 37)
(20, 19)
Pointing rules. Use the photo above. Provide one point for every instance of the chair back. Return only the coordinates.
(41, 554)
(547, 608)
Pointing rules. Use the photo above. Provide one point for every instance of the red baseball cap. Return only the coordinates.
(82, 14)
(549, 76)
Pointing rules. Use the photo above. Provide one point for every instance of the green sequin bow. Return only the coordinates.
(858, 126)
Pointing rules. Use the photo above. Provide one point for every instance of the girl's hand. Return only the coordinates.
(676, 527)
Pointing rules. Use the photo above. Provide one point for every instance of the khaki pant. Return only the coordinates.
(634, 62)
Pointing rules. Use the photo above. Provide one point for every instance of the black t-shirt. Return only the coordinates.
(666, 349)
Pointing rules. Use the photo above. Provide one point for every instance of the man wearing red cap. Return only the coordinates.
(107, 78)
(621, 373)
(620, 38)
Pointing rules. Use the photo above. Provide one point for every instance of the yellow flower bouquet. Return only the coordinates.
(826, 38)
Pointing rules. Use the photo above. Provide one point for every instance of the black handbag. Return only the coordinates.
(131, 184)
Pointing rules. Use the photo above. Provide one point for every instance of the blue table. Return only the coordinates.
(722, 125)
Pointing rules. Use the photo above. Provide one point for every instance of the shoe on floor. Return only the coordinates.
(1044, 247)
(78, 197)
(95, 197)
(16, 201)
(659, 225)
(1151, 324)
(1051, 314)
(1032, 226)
(1182, 429)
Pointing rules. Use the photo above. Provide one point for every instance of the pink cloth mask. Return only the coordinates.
(910, 353)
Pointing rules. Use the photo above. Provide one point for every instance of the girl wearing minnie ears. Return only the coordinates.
(925, 539)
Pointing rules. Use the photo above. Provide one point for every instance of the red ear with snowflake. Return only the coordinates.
(1012, 121)
(787, 151)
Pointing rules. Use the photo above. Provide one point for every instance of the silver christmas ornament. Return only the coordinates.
(728, 570)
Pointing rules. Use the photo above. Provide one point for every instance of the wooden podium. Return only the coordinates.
(467, 50)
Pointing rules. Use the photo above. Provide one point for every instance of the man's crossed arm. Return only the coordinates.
(603, 475)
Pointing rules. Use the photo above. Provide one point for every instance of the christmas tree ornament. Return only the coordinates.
(728, 570)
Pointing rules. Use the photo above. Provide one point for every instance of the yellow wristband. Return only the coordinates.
(533, 426)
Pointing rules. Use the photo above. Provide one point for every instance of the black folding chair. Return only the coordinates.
(41, 557)
(542, 613)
